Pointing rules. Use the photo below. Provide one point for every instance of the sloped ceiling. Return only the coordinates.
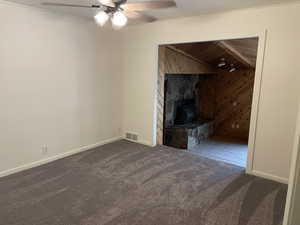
(241, 52)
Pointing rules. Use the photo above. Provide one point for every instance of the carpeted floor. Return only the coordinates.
(129, 184)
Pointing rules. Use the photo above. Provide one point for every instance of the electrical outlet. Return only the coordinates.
(237, 126)
(234, 103)
(233, 126)
(44, 149)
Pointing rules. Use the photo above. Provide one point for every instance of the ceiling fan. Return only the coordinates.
(120, 10)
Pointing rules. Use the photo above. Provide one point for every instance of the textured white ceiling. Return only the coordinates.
(185, 7)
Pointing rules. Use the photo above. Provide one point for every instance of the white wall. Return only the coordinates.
(279, 94)
(58, 85)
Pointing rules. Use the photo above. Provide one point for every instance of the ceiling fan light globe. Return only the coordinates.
(119, 20)
(101, 18)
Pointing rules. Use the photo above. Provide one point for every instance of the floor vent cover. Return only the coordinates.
(132, 136)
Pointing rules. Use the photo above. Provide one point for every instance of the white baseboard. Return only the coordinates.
(269, 176)
(56, 157)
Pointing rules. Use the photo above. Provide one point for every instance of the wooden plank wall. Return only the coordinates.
(234, 93)
(226, 98)
(160, 95)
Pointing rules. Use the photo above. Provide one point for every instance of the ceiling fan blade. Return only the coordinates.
(143, 6)
(70, 5)
(140, 16)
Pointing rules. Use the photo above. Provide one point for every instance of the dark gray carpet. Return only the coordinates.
(130, 184)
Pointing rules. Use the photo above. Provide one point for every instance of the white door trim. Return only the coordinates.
(255, 101)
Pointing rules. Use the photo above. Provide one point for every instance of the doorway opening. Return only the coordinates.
(206, 96)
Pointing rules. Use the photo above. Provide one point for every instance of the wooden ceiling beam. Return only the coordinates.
(235, 53)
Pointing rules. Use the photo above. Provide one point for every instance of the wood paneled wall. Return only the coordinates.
(226, 98)
(234, 92)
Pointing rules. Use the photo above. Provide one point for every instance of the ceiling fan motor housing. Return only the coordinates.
(110, 9)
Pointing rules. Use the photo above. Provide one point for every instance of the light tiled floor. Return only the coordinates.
(222, 149)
